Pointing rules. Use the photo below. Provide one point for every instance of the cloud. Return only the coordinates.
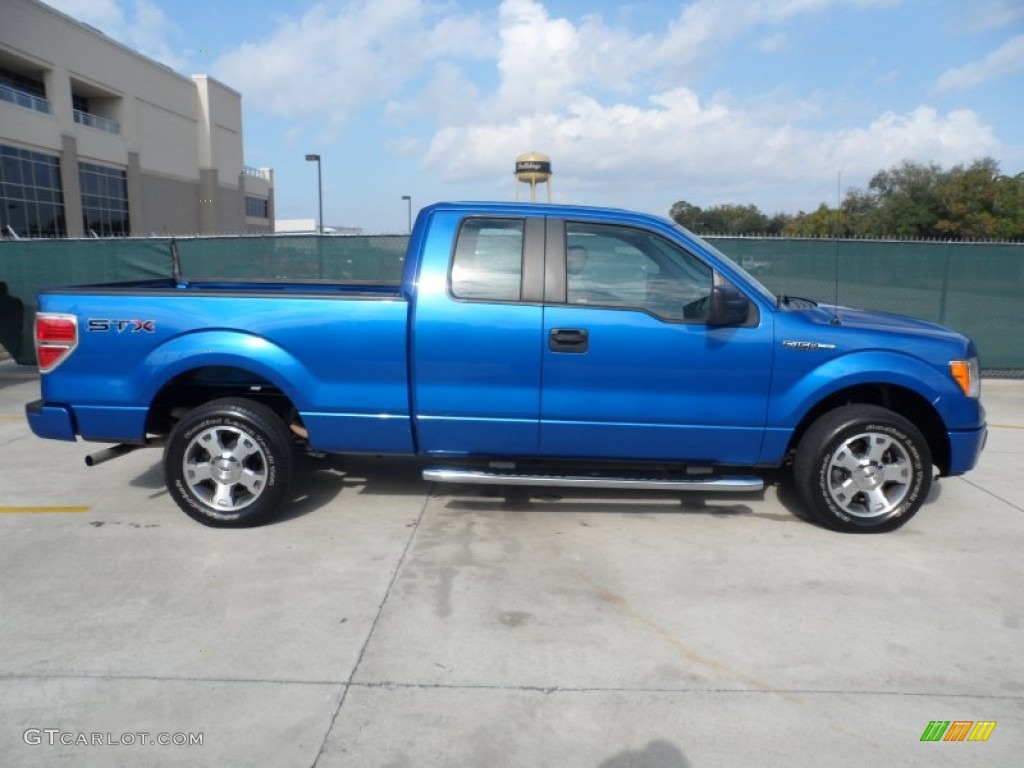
(1005, 60)
(141, 25)
(676, 139)
(471, 91)
(449, 96)
(540, 57)
(773, 43)
(339, 57)
(986, 15)
(333, 60)
(102, 14)
(467, 91)
(703, 27)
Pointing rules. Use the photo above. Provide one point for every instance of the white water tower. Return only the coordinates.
(533, 168)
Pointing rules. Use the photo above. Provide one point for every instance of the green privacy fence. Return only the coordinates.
(976, 288)
(29, 265)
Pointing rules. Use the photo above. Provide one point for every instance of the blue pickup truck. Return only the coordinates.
(532, 345)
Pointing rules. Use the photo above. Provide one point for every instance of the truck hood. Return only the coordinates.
(886, 322)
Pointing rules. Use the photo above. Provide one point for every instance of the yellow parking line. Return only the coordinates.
(30, 510)
(1007, 426)
(12, 418)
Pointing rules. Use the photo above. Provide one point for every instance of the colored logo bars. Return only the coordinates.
(958, 730)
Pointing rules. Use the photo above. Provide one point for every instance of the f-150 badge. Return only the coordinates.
(807, 346)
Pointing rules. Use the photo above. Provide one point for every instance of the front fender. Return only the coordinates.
(792, 399)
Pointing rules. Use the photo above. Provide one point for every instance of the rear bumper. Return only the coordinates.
(965, 446)
(54, 422)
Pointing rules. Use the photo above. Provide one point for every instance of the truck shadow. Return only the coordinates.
(600, 501)
(608, 502)
(319, 480)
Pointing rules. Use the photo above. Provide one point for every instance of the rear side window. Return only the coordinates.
(488, 261)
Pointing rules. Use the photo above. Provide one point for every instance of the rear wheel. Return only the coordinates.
(229, 462)
(863, 469)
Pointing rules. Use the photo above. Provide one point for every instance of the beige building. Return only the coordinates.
(98, 139)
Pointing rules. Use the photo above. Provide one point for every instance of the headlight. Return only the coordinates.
(967, 374)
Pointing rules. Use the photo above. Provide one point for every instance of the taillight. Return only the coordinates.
(56, 338)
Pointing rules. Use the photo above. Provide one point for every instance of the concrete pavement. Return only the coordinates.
(386, 622)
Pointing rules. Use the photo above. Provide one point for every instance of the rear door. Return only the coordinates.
(631, 369)
(477, 337)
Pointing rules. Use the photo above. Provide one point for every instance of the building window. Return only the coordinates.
(104, 200)
(83, 111)
(31, 197)
(257, 207)
(29, 85)
(24, 91)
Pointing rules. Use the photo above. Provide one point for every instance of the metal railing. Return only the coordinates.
(95, 121)
(24, 99)
(259, 173)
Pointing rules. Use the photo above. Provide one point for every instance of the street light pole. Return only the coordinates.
(408, 201)
(319, 191)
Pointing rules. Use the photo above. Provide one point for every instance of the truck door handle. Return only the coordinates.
(576, 340)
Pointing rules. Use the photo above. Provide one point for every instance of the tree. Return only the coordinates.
(824, 222)
(906, 200)
(1009, 207)
(724, 219)
(686, 214)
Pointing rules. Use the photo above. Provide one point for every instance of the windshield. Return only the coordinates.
(752, 281)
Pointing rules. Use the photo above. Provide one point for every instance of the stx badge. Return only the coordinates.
(96, 325)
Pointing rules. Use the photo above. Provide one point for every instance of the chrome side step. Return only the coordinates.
(709, 483)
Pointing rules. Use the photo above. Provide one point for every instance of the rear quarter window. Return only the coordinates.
(488, 261)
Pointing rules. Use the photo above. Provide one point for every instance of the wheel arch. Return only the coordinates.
(193, 387)
(194, 368)
(902, 400)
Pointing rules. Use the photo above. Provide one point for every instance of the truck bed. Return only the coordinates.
(336, 350)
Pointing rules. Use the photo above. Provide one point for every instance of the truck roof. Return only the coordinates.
(547, 209)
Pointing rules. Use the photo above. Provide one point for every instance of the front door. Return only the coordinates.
(632, 370)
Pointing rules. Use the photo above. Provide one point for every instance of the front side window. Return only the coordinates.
(616, 266)
(488, 261)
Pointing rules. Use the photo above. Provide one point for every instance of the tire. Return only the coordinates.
(863, 469)
(228, 463)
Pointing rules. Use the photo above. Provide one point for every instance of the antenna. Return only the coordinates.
(835, 249)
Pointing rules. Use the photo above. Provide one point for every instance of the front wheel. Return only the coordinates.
(229, 462)
(863, 469)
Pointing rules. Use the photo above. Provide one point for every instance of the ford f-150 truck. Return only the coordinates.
(524, 344)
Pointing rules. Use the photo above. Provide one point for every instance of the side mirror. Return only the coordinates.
(728, 306)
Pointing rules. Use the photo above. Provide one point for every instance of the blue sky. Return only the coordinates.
(639, 103)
